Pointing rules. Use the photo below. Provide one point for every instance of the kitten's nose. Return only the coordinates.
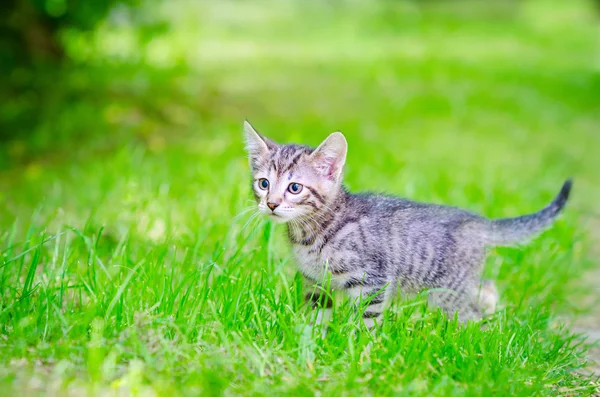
(272, 206)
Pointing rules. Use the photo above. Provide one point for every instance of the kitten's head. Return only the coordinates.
(294, 181)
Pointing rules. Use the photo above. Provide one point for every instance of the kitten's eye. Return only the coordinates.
(295, 188)
(263, 183)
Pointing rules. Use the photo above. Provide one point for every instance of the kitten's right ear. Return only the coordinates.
(257, 145)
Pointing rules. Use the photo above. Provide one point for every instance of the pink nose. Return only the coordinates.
(272, 206)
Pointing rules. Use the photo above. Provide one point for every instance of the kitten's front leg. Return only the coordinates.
(320, 300)
(374, 297)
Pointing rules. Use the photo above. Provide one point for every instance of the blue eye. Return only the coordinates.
(263, 183)
(295, 188)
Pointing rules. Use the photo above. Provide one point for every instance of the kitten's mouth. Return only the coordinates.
(277, 218)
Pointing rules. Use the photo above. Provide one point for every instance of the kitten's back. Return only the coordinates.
(389, 210)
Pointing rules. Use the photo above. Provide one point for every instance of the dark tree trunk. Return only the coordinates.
(27, 35)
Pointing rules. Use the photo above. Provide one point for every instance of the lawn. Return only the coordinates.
(132, 263)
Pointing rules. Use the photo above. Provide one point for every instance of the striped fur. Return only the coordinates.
(369, 244)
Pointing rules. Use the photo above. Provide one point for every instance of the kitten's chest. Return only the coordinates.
(316, 265)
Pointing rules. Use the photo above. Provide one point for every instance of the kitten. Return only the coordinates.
(368, 244)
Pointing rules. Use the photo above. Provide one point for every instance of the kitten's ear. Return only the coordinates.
(257, 145)
(329, 158)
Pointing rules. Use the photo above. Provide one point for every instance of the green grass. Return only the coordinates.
(125, 269)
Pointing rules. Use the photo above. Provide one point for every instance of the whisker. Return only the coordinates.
(244, 211)
(305, 222)
(252, 218)
(329, 209)
(318, 217)
(294, 225)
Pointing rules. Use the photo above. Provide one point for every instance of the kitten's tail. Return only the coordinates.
(509, 231)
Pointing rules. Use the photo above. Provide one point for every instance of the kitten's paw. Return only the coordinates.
(321, 329)
(488, 297)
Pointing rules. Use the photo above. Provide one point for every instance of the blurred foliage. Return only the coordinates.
(29, 29)
(41, 47)
(77, 69)
(33, 55)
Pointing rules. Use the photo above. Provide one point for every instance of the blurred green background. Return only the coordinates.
(122, 171)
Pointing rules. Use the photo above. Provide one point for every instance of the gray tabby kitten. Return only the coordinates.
(368, 244)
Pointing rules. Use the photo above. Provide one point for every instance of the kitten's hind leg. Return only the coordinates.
(476, 300)
(488, 297)
(456, 301)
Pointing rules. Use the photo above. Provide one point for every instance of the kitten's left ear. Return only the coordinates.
(257, 145)
(329, 158)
